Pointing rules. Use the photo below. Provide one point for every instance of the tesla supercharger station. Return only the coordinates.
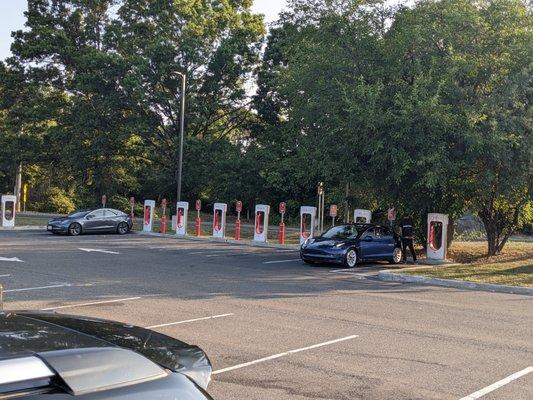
(261, 222)
(148, 216)
(362, 216)
(437, 236)
(8, 210)
(307, 222)
(182, 209)
(219, 220)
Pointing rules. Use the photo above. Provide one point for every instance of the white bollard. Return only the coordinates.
(307, 213)
(182, 211)
(219, 220)
(362, 216)
(8, 210)
(262, 212)
(437, 236)
(148, 220)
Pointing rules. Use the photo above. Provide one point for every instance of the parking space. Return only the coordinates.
(276, 328)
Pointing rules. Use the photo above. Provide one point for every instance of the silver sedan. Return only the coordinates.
(87, 221)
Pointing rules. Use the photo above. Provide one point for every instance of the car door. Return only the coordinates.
(109, 220)
(369, 246)
(94, 221)
(385, 242)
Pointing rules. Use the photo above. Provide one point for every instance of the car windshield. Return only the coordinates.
(78, 214)
(344, 232)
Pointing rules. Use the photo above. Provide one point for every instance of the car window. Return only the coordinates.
(97, 214)
(370, 232)
(379, 232)
(110, 213)
(341, 232)
(78, 214)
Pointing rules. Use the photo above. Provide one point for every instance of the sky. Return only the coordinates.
(12, 18)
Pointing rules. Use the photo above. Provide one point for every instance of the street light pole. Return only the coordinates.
(182, 129)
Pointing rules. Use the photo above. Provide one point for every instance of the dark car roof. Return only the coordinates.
(25, 333)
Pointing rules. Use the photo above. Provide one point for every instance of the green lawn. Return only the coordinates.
(513, 267)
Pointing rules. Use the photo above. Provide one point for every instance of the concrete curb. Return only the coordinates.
(228, 241)
(25, 228)
(426, 280)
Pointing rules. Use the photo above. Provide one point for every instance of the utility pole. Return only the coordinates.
(182, 129)
(18, 186)
(320, 194)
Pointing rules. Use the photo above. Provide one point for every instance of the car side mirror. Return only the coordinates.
(368, 238)
(89, 217)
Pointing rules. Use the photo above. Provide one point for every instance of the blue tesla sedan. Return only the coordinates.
(352, 243)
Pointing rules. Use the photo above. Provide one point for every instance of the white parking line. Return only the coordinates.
(98, 251)
(189, 320)
(38, 288)
(5, 276)
(11, 259)
(499, 384)
(281, 261)
(92, 303)
(212, 252)
(343, 270)
(287, 353)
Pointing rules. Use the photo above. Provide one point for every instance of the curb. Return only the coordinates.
(228, 241)
(487, 287)
(25, 228)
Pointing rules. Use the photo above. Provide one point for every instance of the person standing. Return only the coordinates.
(407, 238)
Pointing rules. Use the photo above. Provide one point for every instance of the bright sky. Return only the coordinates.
(12, 18)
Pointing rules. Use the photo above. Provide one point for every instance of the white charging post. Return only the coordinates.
(362, 216)
(262, 212)
(148, 219)
(8, 210)
(307, 215)
(437, 236)
(219, 220)
(182, 213)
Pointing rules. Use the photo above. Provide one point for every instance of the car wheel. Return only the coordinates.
(123, 228)
(350, 259)
(396, 255)
(74, 229)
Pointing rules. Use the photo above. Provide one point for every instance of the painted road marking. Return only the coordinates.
(92, 303)
(287, 353)
(212, 252)
(98, 251)
(281, 261)
(38, 288)
(12, 259)
(5, 276)
(497, 385)
(189, 320)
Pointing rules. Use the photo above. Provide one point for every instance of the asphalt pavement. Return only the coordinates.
(276, 328)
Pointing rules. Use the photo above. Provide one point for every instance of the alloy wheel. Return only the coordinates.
(351, 258)
(397, 255)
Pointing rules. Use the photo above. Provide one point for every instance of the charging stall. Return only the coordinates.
(307, 222)
(8, 210)
(261, 222)
(219, 220)
(437, 236)
(362, 216)
(182, 211)
(148, 218)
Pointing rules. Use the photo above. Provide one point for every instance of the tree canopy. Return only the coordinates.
(425, 107)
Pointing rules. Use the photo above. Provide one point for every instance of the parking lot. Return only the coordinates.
(276, 328)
